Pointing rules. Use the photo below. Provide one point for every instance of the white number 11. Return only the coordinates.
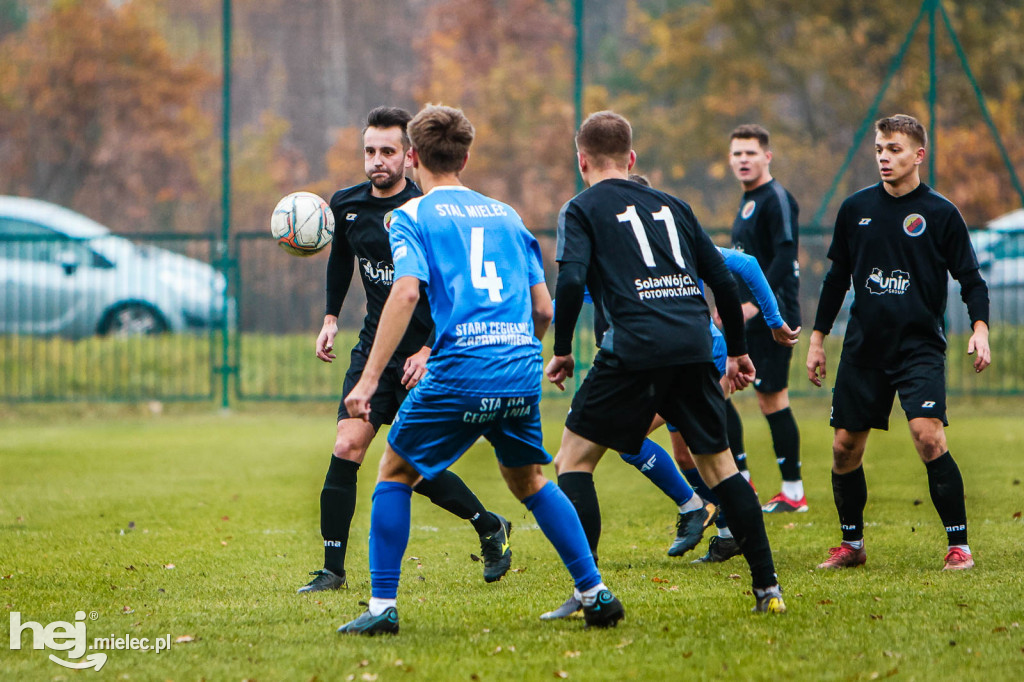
(664, 215)
(484, 274)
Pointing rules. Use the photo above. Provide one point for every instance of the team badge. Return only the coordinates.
(387, 221)
(914, 225)
(748, 209)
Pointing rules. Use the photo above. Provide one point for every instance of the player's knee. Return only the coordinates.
(352, 449)
(524, 481)
(846, 455)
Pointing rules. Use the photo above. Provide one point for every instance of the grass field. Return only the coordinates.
(201, 526)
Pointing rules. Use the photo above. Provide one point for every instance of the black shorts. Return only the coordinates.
(862, 397)
(770, 360)
(390, 393)
(614, 406)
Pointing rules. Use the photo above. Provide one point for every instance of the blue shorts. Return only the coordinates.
(433, 429)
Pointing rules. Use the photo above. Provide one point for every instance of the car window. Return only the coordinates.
(1010, 246)
(28, 241)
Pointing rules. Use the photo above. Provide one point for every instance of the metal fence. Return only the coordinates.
(135, 318)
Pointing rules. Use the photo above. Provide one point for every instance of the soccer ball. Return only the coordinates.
(302, 224)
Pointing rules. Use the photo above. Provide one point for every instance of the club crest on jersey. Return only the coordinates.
(748, 209)
(914, 225)
(387, 220)
(379, 272)
(880, 284)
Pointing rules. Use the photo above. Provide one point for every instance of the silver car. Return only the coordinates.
(62, 273)
(1000, 250)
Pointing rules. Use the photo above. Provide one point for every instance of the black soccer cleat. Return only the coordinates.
(496, 551)
(384, 624)
(324, 580)
(605, 612)
(690, 527)
(719, 549)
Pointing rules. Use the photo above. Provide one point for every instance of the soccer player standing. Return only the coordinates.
(484, 371)
(897, 241)
(766, 228)
(641, 253)
(361, 213)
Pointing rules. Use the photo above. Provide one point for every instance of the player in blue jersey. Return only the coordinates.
(484, 372)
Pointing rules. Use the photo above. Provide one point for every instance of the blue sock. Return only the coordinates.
(558, 520)
(702, 489)
(389, 535)
(653, 462)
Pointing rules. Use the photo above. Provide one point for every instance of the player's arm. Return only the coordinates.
(569, 288)
(712, 269)
(416, 364)
(340, 266)
(394, 320)
(543, 311)
(747, 268)
(782, 227)
(833, 292)
(973, 291)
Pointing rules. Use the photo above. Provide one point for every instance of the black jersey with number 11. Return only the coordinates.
(645, 252)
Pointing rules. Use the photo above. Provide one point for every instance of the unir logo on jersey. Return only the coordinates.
(895, 283)
(748, 209)
(379, 272)
(914, 225)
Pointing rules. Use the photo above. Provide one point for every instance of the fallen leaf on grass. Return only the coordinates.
(127, 609)
(130, 568)
(474, 557)
(1017, 515)
(169, 566)
(363, 663)
(825, 601)
(368, 677)
(878, 599)
(6, 577)
(623, 644)
(561, 674)
(656, 579)
(184, 639)
(918, 502)
(572, 654)
(687, 654)
(790, 526)
(734, 576)
(519, 570)
(224, 518)
(877, 616)
(399, 662)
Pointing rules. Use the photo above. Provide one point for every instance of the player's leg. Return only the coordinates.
(861, 401)
(574, 465)
(696, 405)
(338, 501)
(389, 536)
(922, 391)
(735, 429)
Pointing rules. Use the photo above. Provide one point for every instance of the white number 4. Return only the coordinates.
(485, 275)
(664, 215)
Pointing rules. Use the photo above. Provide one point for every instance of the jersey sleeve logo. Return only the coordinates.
(914, 225)
(748, 209)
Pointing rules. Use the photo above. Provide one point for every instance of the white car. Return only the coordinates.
(62, 273)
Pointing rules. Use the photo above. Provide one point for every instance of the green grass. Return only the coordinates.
(96, 504)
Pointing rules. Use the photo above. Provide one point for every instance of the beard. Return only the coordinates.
(386, 182)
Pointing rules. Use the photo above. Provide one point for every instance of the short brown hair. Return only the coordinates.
(606, 135)
(441, 137)
(751, 131)
(902, 123)
(389, 117)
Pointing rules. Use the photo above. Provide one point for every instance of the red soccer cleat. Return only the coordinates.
(781, 503)
(844, 556)
(958, 560)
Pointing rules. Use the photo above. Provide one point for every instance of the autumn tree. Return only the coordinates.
(96, 113)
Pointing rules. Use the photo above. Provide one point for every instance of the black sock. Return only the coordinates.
(786, 441)
(734, 427)
(947, 488)
(746, 521)
(578, 486)
(337, 505)
(450, 492)
(850, 492)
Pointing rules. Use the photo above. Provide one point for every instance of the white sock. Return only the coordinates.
(855, 544)
(588, 597)
(965, 548)
(724, 532)
(692, 504)
(794, 490)
(379, 606)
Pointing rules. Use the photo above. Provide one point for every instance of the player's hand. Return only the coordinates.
(415, 367)
(559, 369)
(784, 336)
(357, 402)
(816, 359)
(979, 348)
(325, 341)
(745, 372)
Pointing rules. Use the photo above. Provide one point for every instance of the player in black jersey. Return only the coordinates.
(361, 214)
(640, 252)
(897, 240)
(766, 227)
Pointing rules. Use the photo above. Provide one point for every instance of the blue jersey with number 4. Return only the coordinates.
(478, 261)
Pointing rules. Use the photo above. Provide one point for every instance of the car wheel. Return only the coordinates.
(133, 319)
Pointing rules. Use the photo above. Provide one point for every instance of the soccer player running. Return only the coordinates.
(641, 253)
(766, 228)
(361, 214)
(896, 240)
(484, 371)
